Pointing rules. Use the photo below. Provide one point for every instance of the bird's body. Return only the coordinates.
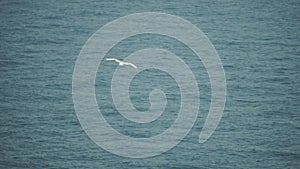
(122, 63)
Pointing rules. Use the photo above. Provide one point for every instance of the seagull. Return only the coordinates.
(122, 62)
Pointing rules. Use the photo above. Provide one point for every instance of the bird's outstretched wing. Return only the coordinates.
(114, 59)
(130, 64)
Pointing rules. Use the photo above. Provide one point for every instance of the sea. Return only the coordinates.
(258, 43)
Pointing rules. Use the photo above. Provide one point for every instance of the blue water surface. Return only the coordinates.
(258, 43)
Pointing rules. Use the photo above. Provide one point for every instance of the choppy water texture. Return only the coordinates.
(258, 43)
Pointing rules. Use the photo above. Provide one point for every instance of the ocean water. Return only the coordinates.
(258, 43)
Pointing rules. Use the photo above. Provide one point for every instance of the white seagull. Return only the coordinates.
(121, 63)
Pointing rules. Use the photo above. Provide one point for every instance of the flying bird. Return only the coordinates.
(121, 63)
